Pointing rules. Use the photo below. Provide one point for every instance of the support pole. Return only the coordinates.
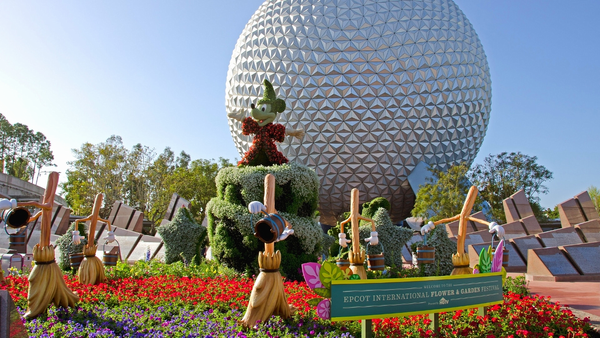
(366, 328)
(435, 322)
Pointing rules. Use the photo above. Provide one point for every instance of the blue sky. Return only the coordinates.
(154, 73)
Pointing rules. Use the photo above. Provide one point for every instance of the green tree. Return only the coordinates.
(595, 196)
(504, 174)
(196, 183)
(139, 178)
(96, 168)
(136, 192)
(40, 156)
(23, 152)
(552, 213)
(5, 134)
(444, 194)
(160, 192)
(17, 161)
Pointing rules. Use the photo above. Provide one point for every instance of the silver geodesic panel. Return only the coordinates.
(378, 87)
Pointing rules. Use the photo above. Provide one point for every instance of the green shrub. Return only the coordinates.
(65, 246)
(297, 190)
(182, 237)
(231, 226)
(517, 285)
(328, 242)
(178, 269)
(369, 208)
(444, 248)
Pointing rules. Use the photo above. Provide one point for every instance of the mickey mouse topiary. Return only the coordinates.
(263, 150)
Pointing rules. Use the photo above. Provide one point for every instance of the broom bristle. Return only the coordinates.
(268, 295)
(91, 270)
(46, 284)
(461, 264)
(357, 262)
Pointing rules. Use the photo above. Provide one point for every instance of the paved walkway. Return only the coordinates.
(582, 297)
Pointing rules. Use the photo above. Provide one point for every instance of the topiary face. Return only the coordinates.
(268, 106)
(263, 114)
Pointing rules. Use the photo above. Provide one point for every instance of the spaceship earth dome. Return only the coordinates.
(378, 87)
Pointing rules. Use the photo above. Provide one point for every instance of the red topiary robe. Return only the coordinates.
(263, 150)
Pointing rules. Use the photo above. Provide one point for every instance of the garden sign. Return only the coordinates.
(395, 297)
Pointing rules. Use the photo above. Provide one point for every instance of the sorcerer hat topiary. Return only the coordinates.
(277, 105)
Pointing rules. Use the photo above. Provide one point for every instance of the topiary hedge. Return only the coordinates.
(444, 248)
(182, 237)
(370, 208)
(65, 246)
(231, 226)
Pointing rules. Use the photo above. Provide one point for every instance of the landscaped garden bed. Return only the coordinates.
(155, 300)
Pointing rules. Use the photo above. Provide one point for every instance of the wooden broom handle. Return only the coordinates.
(269, 202)
(480, 221)
(34, 204)
(354, 219)
(354, 216)
(462, 218)
(94, 218)
(462, 221)
(46, 206)
(446, 220)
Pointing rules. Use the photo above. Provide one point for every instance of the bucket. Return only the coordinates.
(76, 259)
(268, 229)
(110, 258)
(15, 218)
(16, 241)
(505, 258)
(375, 262)
(342, 263)
(425, 255)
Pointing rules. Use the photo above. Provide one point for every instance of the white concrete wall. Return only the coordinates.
(12, 186)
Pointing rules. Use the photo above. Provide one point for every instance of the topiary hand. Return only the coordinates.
(299, 133)
(427, 228)
(285, 234)
(342, 240)
(239, 116)
(255, 207)
(497, 229)
(76, 237)
(110, 237)
(374, 239)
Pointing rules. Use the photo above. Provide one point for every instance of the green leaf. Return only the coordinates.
(330, 271)
(485, 261)
(314, 301)
(347, 273)
(354, 277)
(323, 292)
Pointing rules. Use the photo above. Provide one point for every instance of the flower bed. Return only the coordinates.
(211, 307)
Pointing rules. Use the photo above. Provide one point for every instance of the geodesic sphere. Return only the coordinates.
(378, 86)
